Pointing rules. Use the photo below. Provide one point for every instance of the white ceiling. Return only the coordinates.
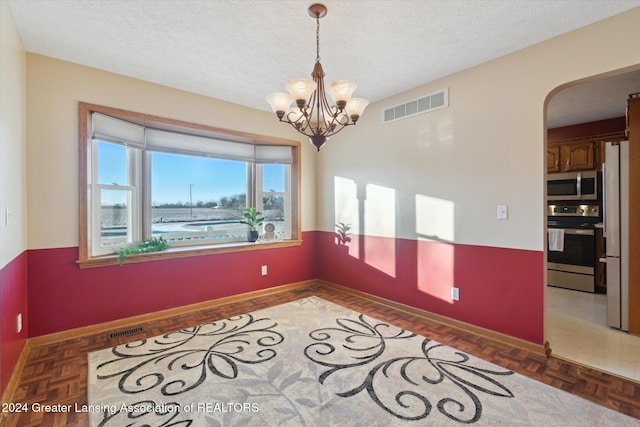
(599, 99)
(241, 50)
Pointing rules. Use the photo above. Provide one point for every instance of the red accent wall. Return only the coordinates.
(63, 296)
(500, 289)
(584, 130)
(13, 300)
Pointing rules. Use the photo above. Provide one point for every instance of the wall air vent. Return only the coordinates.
(431, 102)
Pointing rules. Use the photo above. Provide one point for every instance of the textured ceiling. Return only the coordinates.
(241, 50)
(595, 100)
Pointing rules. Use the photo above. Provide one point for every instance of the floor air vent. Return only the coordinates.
(431, 102)
(125, 332)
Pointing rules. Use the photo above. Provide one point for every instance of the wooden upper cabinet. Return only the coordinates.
(578, 157)
(553, 159)
(571, 157)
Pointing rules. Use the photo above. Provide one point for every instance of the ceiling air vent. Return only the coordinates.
(431, 102)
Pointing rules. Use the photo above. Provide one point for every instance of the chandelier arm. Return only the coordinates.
(332, 127)
(312, 111)
(332, 118)
(344, 122)
(303, 126)
(338, 129)
(301, 122)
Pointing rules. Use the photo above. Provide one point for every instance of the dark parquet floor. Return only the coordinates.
(56, 374)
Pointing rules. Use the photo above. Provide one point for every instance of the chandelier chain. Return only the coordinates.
(317, 37)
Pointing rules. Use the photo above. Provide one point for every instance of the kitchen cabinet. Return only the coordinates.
(571, 157)
(553, 159)
(578, 157)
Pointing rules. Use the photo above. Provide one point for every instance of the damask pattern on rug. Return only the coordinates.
(182, 360)
(404, 386)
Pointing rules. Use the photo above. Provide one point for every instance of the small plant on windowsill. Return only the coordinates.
(253, 219)
(152, 244)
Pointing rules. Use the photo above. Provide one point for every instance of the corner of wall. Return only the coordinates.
(13, 187)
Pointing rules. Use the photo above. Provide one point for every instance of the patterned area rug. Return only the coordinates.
(314, 363)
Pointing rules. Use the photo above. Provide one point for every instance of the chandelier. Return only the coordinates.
(312, 114)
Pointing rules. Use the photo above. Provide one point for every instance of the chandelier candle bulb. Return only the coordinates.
(301, 89)
(355, 108)
(314, 116)
(280, 102)
(341, 91)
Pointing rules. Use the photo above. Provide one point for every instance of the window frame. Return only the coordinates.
(87, 172)
(134, 199)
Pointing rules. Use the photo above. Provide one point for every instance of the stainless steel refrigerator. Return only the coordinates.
(616, 232)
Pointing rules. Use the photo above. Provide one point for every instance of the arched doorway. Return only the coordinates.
(585, 114)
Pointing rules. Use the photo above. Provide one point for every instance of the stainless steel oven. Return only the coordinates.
(572, 264)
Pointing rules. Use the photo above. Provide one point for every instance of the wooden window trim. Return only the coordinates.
(185, 252)
(85, 260)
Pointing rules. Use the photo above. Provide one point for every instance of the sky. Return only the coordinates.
(174, 176)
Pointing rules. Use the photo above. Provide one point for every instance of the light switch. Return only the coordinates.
(7, 215)
(502, 212)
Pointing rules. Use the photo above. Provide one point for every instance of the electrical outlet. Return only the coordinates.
(455, 294)
(19, 323)
(264, 270)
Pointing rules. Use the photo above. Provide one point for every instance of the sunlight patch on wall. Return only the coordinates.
(380, 221)
(436, 262)
(435, 225)
(380, 211)
(347, 210)
(435, 218)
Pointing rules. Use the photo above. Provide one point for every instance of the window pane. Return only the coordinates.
(197, 198)
(274, 212)
(274, 198)
(112, 164)
(273, 177)
(115, 218)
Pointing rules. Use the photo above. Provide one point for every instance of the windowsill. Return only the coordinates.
(185, 252)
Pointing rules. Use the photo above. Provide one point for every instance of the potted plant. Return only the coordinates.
(152, 244)
(253, 218)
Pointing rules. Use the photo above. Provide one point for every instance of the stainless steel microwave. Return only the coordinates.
(572, 186)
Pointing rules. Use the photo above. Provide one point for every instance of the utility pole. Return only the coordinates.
(190, 200)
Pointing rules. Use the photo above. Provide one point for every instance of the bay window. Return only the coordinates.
(144, 177)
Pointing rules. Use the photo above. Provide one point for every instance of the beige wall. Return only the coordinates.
(442, 174)
(54, 89)
(13, 237)
(438, 175)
